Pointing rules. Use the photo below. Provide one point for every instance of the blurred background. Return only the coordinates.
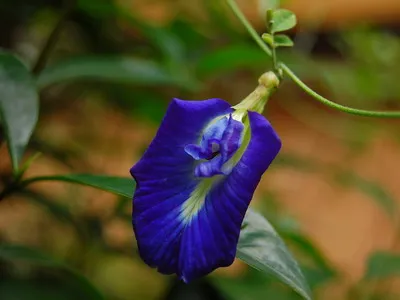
(332, 194)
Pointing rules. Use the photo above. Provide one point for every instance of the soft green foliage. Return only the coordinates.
(281, 20)
(112, 69)
(259, 244)
(118, 185)
(19, 253)
(372, 189)
(261, 247)
(382, 265)
(18, 105)
(278, 40)
(282, 40)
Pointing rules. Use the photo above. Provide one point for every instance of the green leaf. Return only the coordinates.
(13, 253)
(253, 285)
(282, 20)
(382, 265)
(372, 189)
(127, 70)
(282, 40)
(262, 248)
(168, 43)
(231, 58)
(42, 288)
(18, 105)
(122, 186)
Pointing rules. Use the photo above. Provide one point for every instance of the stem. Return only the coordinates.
(360, 112)
(275, 60)
(53, 38)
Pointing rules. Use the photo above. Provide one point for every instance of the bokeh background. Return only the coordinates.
(331, 194)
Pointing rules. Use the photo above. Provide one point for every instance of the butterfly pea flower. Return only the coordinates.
(196, 180)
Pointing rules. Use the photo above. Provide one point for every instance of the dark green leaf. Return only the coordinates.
(282, 40)
(13, 253)
(113, 69)
(45, 289)
(231, 58)
(262, 248)
(167, 42)
(282, 19)
(383, 265)
(18, 105)
(372, 189)
(122, 186)
(254, 285)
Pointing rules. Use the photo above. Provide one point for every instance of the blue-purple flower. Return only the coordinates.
(195, 183)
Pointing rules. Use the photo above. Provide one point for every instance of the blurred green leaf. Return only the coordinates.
(383, 265)
(231, 58)
(46, 289)
(372, 189)
(18, 105)
(262, 248)
(13, 253)
(282, 20)
(169, 44)
(282, 40)
(114, 69)
(318, 270)
(254, 285)
(122, 186)
(296, 162)
(304, 244)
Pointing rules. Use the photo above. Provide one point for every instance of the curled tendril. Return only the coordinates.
(286, 70)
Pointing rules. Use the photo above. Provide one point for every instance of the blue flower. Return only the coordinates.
(195, 183)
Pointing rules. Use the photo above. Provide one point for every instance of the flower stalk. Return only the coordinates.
(268, 83)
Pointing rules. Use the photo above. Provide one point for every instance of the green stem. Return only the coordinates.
(360, 112)
(53, 38)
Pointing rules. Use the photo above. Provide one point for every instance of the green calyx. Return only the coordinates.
(256, 101)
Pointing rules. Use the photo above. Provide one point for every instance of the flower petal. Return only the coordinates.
(209, 240)
(165, 180)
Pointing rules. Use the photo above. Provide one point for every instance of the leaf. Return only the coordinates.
(371, 189)
(231, 58)
(382, 265)
(18, 105)
(44, 289)
(282, 40)
(116, 69)
(296, 162)
(168, 43)
(253, 285)
(262, 248)
(282, 20)
(13, 252)
(122, 186)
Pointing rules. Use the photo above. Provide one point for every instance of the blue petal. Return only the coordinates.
(209, 241)
(190, 238)
(165, 179)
